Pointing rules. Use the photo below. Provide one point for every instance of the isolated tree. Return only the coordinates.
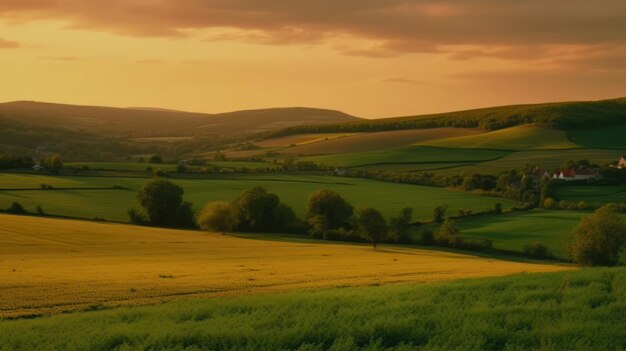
(598, 239)
(161, 200)
(335, 210)
(371, 225)
(439, 213)
(218, 216)
(53, 163)
(400, 226)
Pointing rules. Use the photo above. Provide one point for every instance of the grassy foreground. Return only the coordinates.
(576, 310)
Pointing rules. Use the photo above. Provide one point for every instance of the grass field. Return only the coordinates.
(524, 137)
(566, 311)
(137, 166)
(611, 137)
(294, 190)
(592, 194)
(366, 142)
(414, 154)
(512, 230)
(52, 265)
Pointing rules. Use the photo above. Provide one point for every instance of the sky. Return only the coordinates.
(369, 58)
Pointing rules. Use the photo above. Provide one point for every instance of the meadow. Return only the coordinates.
(592, 194)
(581, 310)
(112, 204)
(52, 265)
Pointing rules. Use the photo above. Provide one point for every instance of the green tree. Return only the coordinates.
(371, 225)
(256, 208)
(161, 200)
(448, 234)
(439, 213)
(218, 216)
(598, 239)
(16, 207)
(400, 226)
(328, 204)
(53, 163)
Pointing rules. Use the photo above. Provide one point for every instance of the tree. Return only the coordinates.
(156, 159)
(335, 210)
(400, 226)
(53, 163)
(371, 225)
(260, 210)
(219, 216)
(16, 207)
(598, 239)
(439, 213)
(549, 203)
(161, 200)
(448, 234)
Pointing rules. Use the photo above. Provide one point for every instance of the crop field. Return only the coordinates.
(561, 311)
(525, 137)
(52, 265)
(300, 139)
(610, 138)
(592, 194)
(137, 166)
(365, 142)
(294, 190)
(414, 154)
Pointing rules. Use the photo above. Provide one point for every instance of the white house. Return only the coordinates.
(37, 167)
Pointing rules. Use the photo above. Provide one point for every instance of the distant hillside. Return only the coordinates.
(559, 115)
(147, 122)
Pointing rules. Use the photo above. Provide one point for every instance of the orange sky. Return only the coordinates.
(370, 58)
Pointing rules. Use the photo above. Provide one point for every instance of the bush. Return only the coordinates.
(39, 210)
(218, 216)
(156, 159)
(136, 216)
(582, 205)
(563, 205)
(599, 238)
(16, 207)
(400, 226)
(497, 208)
(549, 203)
(536, 250)
(439, 214)
(427, 237)
(448, 234)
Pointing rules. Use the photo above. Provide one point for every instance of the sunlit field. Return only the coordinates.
(50, 266)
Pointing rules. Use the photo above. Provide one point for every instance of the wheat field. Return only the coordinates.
(49, 265)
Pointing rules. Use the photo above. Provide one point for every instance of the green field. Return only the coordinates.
(592, 194)
(112, 204)
(576, 310)
(511, 231)
(613, 137)
(415, 154)
(526, 137)
(138, 166)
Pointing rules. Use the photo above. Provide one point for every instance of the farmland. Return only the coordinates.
(52, 265)
(111, 204)
(575, 310)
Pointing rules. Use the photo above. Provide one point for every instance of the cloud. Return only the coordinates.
(399, 80)
(6, 44)
(502, 29)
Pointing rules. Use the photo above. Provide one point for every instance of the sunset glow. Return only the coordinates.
(367, 58)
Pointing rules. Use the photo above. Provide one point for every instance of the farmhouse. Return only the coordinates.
(539, 174)
(621, 163)
(576, 174)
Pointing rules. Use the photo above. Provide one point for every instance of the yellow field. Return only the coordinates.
(49, 265)
(364, 142)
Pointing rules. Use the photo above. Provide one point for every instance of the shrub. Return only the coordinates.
(400, 226)
(448, 234)
(39, 210)
(497, 208)
(536, 250)
(156, 159)
(549, 203)
(427, 237)
(599, 238)
(136, 216)
(582, 205)
(563, 205)
(219, 216)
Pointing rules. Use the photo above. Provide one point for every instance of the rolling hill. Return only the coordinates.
(146, 122)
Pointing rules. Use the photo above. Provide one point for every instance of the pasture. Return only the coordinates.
(52, 265)
(591, 194)
(561, 311)
(294, 190)
(525, 137)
